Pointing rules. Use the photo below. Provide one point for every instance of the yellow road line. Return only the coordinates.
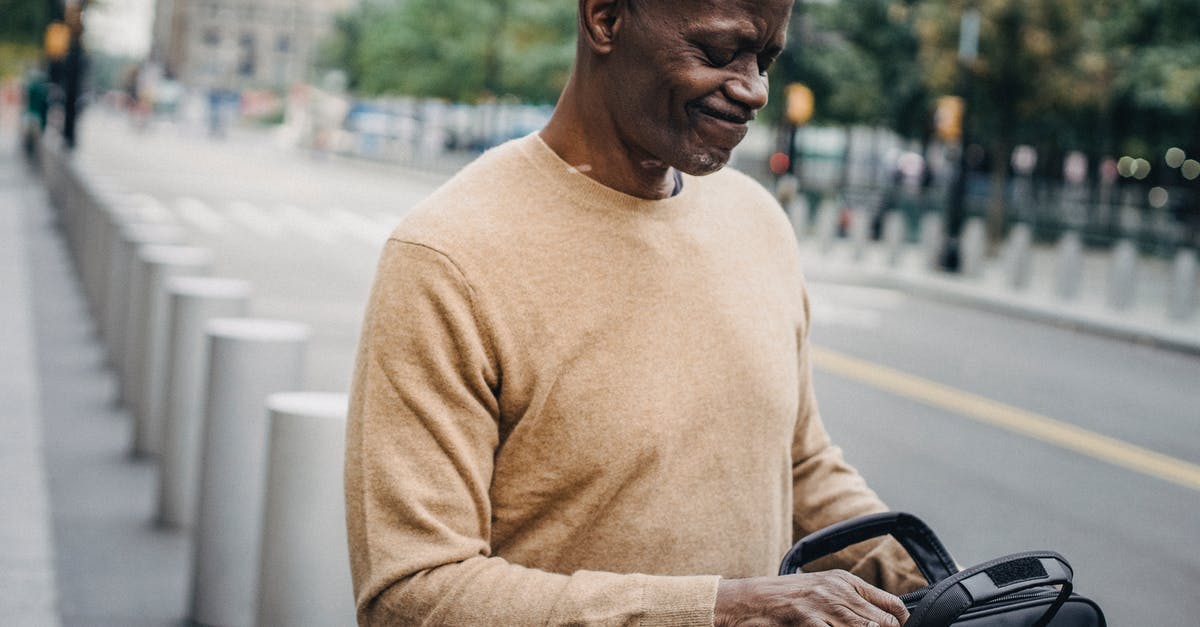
(997, 414)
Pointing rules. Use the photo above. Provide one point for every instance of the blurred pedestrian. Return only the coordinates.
(37, 108)
(583, 392)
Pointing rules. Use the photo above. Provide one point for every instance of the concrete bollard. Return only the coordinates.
(933, 238)
(193, 302)
(1184, 277)
(860, 233)
(1068, 275)
(895, 232)
(99, 205)
(148, 344)
(828, 215)
(787, 189)
(1122, 276)
(72, 210)
(116, 218)
(249, 360)
(973, 248)
(93, 263)
(799, 214)
(305, 574)
(122, 289)
(1018, 257)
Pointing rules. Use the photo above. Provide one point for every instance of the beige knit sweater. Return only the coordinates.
(573, 406)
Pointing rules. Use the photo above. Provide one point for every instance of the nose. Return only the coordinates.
(747, 86)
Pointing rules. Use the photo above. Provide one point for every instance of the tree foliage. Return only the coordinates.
(461, 50)
(1096, 75)
(22, 23)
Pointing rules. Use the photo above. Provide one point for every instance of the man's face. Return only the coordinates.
(692, 74)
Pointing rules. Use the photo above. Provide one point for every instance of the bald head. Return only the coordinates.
(668, 83)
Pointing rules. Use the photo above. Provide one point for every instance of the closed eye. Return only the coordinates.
(718, 57)
(767, 59)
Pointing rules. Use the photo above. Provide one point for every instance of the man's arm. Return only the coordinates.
(827, 490)
(421, 440)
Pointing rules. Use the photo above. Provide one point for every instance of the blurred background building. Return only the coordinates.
(238, 44)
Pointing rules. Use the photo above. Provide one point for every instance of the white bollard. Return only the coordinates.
(305, 575)
(933, 238)
(1184, 277)
(116, 217)
(148, 345)
(1122, 276)
(91, 270)
(249, 360)
(973, 248)
(895, 231)
(1068, 275)
(860, 233)
(122, 289)
(798, 212)
(99, 206)
(827, 225)
(194, 301)
(786, 189)
(1018, 257)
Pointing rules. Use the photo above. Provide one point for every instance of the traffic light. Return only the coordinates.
(800, 105)
(948, 118)
(57, 41)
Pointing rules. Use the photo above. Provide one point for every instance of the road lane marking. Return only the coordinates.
(255, 219)
(307, 224)
(200, 215)
(997, 414)
(874, 297)
(357, 225)
(827, 313)
(149, 209)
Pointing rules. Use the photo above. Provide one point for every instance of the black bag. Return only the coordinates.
(1011, 591)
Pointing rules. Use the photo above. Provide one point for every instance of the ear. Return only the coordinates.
(599, 21)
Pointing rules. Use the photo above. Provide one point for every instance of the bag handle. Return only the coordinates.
(948, 599)
(931, 557)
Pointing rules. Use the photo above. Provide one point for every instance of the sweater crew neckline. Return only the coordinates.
(581, 189)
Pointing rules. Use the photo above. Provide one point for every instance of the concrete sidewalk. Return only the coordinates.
(27, 583)
(98, 559)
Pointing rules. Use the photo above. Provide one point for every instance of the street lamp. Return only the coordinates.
(968, 51)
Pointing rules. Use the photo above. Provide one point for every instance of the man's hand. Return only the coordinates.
(826, 598)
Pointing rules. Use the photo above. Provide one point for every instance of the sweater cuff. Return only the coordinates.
(678, 601)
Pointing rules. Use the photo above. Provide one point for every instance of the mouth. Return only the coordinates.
(720, 128)
(727, 115)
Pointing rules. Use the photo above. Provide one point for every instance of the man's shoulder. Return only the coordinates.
(749, 203)
(472, 201)
(730, 181)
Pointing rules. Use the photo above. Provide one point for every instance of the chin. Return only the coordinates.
(702, 163)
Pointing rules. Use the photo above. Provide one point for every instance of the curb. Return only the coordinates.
(953, 292)
(28, 587)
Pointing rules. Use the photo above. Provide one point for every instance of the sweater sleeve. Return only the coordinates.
(421, 440)
(827, 490)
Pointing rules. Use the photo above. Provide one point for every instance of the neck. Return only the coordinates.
(583, 133)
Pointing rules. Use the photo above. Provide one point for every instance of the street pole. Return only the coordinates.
(73, 70)
(956, 211)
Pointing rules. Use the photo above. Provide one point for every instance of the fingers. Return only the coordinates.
(885, 609)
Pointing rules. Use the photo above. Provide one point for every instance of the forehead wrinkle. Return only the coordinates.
(750, 28)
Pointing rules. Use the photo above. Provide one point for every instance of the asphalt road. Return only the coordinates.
(306, 232)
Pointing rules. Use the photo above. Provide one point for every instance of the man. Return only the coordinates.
(583, 391)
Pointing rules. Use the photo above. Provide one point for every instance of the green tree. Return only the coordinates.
(21, 29)
(859, 57)
(461, 50)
